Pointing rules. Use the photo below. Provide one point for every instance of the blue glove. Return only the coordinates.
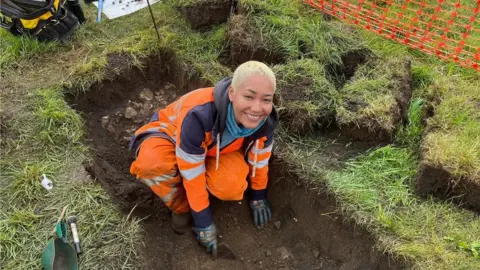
(262, 213)
(207, 237)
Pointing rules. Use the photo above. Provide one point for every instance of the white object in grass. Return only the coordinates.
(116, 8)
(46, 183)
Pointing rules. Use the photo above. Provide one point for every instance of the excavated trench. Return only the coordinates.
(306, 232)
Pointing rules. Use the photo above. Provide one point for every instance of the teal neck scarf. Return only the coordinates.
(234, 129)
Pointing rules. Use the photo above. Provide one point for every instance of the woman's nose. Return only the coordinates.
(256, 106)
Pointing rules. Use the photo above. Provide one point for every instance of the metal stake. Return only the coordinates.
(153, 19)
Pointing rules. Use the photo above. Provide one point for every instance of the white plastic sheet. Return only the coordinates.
(118, 8)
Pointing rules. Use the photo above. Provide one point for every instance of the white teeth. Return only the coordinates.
(253, 117)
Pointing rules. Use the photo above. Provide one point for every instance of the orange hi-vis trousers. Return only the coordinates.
(156, 166)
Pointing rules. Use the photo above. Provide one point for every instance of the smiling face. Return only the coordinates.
(252, 100)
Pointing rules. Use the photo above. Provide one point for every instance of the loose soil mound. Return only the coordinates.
(306, 233)
(374, 103)
(244, 44)
(205, 13)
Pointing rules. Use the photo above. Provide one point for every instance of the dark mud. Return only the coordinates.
(204, 14)
(305, 232)
(437, 181)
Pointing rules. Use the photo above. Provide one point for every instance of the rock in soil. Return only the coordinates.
(316, 254)
(130, 113)
(284, 253)
(105, 121)
(111, 129)
(268, 253)
(146, 94)
(277, 224)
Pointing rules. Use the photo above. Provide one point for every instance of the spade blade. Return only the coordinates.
(224, 252)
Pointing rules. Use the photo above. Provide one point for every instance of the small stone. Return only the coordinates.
(260, 262)
(277, 224)
(137, 105)
(147, 106)
(111, 129)
(268, 253)
(235, 219)
(146, 94)
(242, 259)
(169, 86)
(159, 98)
(130, 113)
(105, 121)
(143, 112)
(284, 253)
(316, 253)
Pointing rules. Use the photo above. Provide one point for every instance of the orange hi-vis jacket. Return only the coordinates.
(195, 124)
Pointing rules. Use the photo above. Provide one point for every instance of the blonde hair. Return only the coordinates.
(250, 68)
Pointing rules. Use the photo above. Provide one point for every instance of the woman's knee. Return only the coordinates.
(229, 181)
(156, 158)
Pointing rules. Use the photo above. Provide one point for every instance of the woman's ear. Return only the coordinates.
(230, 93)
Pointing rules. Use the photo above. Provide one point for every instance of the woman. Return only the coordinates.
(210, 141)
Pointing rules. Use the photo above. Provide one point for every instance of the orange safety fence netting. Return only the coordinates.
(449, 29)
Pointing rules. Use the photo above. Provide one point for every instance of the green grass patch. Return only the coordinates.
(14, 48)
(295, 30)
(411, 134)
(370, 98)
(453, 140)
(50, 143)
(306, 98)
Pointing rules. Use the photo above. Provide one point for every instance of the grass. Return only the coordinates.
(411, 134)
(453, 141)
(305, 95)
(50, 144)
(21, 47)
(295, 30)
(369, 99)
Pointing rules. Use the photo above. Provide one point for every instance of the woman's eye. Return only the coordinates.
(248, 97)
(267, 100)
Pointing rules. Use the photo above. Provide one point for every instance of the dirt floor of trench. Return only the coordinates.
(305, 232)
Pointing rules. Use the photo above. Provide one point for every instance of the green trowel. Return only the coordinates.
(59, 254)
